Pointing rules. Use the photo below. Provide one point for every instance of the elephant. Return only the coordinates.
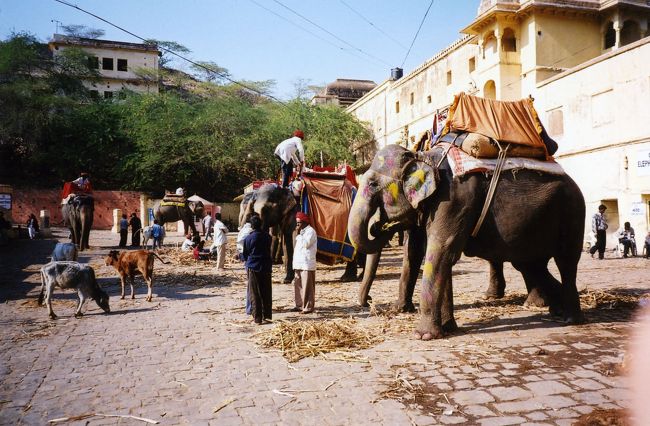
(277, 207)
(532, 218)
(78, 214)
(174, 213)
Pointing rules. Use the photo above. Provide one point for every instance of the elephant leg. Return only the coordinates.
(497, 287)
(568, 267)
(288, 256)
(543, 288)
(413, 254)
(350, 273)
(369, 272)
(437, 275)
(448, 321)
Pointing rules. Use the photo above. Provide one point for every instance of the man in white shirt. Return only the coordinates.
(220, 241)
(304, 265)
(291, 153)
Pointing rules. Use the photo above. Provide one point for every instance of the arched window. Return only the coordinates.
(508, 41)
(490, 90)
(630, 32)
(610, 36)
(489, 46)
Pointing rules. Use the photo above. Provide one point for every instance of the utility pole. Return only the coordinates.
(58, 24)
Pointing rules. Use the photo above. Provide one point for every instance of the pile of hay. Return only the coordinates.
(609, 299)
(301, 339)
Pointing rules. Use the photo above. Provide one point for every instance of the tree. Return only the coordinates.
(82, 31)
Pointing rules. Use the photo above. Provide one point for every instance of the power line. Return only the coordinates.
(418, 32)
(373, 25)
(331, 34)
(222, 75)
(305, 29)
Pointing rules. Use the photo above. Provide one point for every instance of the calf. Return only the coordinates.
(71, 275)
(131, 263)
(148, 235)
(64, 251)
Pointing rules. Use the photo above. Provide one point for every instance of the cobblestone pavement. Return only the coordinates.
(191, 357)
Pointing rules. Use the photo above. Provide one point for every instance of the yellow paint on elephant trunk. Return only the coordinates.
(419, 174)
(393, 190)
(428, 269)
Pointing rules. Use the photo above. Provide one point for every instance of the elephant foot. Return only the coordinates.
(535, 299)
(405, 307)
(574, 318)
(449, 326)
(490, 295)
(427, 331)
(346, 278)
(78, 315)
(364, 302)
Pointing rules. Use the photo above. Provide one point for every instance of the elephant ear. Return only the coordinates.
(419, 181)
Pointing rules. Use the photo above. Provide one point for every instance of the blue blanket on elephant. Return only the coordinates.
(327, 201)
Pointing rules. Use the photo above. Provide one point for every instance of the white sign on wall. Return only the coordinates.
(638, 209)
(642, 162)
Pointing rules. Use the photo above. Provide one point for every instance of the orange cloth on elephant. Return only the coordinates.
(506, 121)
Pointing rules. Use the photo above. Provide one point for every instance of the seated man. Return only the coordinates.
(625, 236)
(82, 183)
(188, 244)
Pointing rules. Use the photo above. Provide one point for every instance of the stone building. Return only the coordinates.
(585, 62)
(121, 65)
(343, 92)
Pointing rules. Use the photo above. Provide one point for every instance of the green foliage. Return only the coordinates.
(208, 137)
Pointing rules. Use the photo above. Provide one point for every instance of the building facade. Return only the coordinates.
(121, 65)
(343, 92)
(585, 62)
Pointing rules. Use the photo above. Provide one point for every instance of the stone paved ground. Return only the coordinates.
(190, 356)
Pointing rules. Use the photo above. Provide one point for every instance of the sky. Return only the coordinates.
(263, 39)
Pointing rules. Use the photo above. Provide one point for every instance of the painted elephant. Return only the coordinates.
(173, 213)
(78, 214)
(533, 217)
(277, 207)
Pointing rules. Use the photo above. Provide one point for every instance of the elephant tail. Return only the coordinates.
(159, 258)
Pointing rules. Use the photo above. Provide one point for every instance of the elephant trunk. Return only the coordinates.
(358, 223)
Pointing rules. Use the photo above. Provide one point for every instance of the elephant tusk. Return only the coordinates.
(387, 226)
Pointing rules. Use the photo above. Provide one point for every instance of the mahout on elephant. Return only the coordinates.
(173, 209)
(533, 217)
(78, 211)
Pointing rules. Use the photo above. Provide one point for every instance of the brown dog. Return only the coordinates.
(131, 263)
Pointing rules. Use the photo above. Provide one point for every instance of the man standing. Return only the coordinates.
(219, 243)
(257, 254)
(135, 225)
(304, 265)
(157, 233)
(124, 230)
(291, 153)
(598, 227)
(208, 223)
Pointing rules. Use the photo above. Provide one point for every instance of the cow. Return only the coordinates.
(131, 263)
(147, 235)
(71, 275)
(65, 251)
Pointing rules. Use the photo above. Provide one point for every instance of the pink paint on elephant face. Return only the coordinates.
(388, 198)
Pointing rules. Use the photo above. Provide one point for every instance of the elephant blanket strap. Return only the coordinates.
(173, 203)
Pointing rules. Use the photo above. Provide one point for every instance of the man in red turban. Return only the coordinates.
(304, 265)
(291, 153)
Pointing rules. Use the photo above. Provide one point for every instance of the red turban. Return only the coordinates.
(302, 217)
(299, 133)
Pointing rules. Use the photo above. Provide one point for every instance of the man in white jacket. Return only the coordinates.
(304, 265)
(291, 153)
(219, 242)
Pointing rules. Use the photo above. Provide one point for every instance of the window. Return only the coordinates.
(397, 107)
(107, 63)
(610, 36)
(490, 90)
(449, 78)
(472, 64)
(412, 98)
(630, 32)
(555, 122)
(94, 94)
(489, 46)
(122, 65)
(108, 94)
(508, 41)
(429, 99)
(93, 62)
